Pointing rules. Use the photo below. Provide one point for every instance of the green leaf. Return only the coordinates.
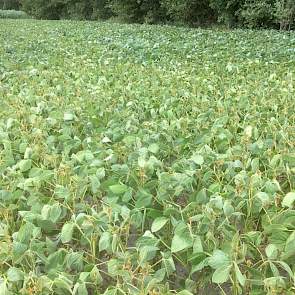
(147, 253)
(62, 192)
(119, 189)
(115, 241)
(288, 200)
(28, 153)
(182, 238)
(153, 148)
(275, 161)
(69, 116)
(114, 267)
(105, 241)
(168, 263)
(74, 261)
(159, 275)
(63, 283)
(83, 277)
(228, 209)
(4, 289)
(111, 291)
(25, 233)
(287, 268)
(221, 275)
(219, 259)
(80, 289)
(18, 250)
(241, 278)
(197, 245)
(158, 223)
(25, 165)
(274, 269)
(271, 251)
(184, 292)
(264, 198)
(289, 250)
(100, 173)
(95, 276)
(144, 199)
(67, 232)
(14, 274)
(199, 266)
(95, 184)
(198, 159)
(55, 212)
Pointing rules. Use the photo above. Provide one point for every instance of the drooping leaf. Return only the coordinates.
(241, 278)
(158, 223)
(221, 275)
(219, 259)
(105, 241)
(271, 251)
(288, 200)
(67, 232)
(168, 263)
(182, 238)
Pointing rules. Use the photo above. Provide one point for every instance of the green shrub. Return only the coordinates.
(79, 9)
(189, 11)
(127, 10)
(16, 14)
(227, 11)
(67, 9)
(44, 9)
(101, 10)
(258, 13)
(149, 11)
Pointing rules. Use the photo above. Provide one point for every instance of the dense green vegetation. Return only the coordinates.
(233, 13)
(140, 159)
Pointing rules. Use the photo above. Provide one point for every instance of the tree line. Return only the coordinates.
(10, 4)
(233, 13)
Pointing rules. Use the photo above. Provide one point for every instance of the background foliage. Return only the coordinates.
(9, 4)
(232, 13)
